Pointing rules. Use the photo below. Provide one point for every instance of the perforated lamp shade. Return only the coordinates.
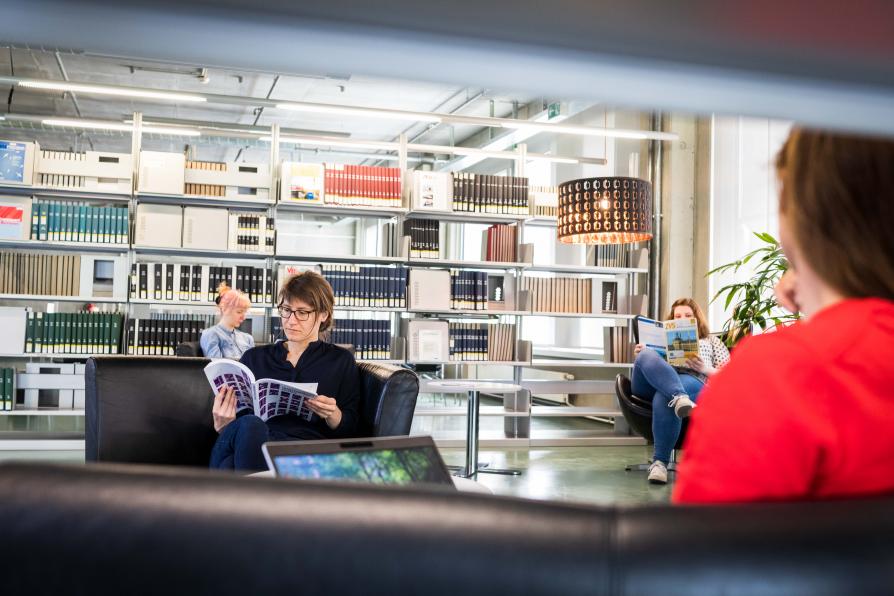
(607, 210)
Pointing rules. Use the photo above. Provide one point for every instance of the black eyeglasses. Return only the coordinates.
(286, 313)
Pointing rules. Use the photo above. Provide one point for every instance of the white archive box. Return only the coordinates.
(17, 163)
(428, 341)
(429, 289)
(93, 171)
(248, 181)
(13, 321)
(205, 228)
(162, 173)
(15, 218)
(158, 225)
(432, 191)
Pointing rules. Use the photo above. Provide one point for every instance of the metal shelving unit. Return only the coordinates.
(201, 201)
(93, 247)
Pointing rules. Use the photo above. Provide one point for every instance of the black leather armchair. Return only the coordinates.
(144, 409)
(638, 414)
(112, 529)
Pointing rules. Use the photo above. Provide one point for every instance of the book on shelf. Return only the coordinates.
(431, 190)
(40, 274)
(70, 221)
(205, 190)
(544, 200)
(675, 340)
(500, 243)
(484, 193)
(365, 186)
(424, 238)
(468, 290)
(251, 231)
(616, 345)
(559, 294)
(15, 218)
(302, 183)
(367, 286)
(266, 398)
(7, 389)
(182, 282)
(482, 341)
(161, 334)
(73, 333)
(17, 163)
(427, 341)
(371, 338)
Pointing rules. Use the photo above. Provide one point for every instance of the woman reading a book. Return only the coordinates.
(806, 412)
(305, 306)
(224, 340)
(674, 389)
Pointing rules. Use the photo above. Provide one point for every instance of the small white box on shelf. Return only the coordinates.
(302, 183)
(159, 225)
(205, 228)
(428, 341)
(248, 181)
(432, 190)
(429, 289)
(17, 163)
(59, 386)
(162, 173)
(13, 321)
(15, 218)
(92, 171)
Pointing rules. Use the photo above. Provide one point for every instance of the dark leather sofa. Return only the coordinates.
(94, 529)
(157, 410)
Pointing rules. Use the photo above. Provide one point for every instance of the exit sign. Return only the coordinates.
(553, 110)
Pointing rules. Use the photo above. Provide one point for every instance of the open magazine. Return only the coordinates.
(265, 397)
(675, 340)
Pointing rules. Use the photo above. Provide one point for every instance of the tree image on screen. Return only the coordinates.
(388, 466)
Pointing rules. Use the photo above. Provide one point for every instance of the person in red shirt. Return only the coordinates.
(807, 412)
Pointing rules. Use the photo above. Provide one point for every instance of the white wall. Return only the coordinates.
(743, 195)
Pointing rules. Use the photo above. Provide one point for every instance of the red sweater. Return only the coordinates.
(803, 413)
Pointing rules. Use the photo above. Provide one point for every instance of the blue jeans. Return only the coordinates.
(238, 446)
(653, 378)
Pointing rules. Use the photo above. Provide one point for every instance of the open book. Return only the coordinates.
(675, 340)
(265, 397)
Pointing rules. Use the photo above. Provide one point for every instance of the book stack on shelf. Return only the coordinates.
(482, 342)
(69, 221)
(501, 243)
(618, 255)
(367, 286)
(544, 200)
(482, 193)
(40, 274)
(616, 346)
(559, 294)
(365, 186)
(161, 334)
(179, 282)
(468, 290)
(206, 190)
(371, 338)
(251, 232)
(424, 238)
(7, 389)
(73, 333)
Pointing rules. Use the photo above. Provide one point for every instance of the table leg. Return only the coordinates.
(472, 465)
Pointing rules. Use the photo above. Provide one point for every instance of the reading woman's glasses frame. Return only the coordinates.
(300, 315)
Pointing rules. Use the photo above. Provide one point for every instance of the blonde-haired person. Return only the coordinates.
(305, 307)
(674, 390)
(806, 412)
(224, 340)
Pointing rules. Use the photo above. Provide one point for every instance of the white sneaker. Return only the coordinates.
(657, 473)
(682, 405)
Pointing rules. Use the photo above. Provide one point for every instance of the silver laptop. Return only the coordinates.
(378, 460)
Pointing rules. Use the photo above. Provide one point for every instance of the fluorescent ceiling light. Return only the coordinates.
(363, 112)
(161, 130)
(108, 90)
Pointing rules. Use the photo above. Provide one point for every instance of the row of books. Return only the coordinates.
(161, 336)
(73, 333)
(40, 274)
(176, 282)
(616, 345)
(371, 186)
(424, 238)
(68, 221)
(252, 232)
(501, 243)
(482, 341)
(205, 190)
(484, 193)
(358, 285)
(619, 255)
(559, 294)
(7, 389)
(468, 290)
(371, 338)
(544, 200)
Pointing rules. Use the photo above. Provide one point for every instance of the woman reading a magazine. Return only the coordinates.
(674, 389)
(224, 340)
(305, 307)
(806, 412)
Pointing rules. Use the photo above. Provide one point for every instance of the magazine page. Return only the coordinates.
(233, 374)
(682, 340)
(276, 398)
(652, 335)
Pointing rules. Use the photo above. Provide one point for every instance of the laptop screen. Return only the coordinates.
(393, 460)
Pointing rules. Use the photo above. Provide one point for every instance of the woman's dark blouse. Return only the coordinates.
(330, 366)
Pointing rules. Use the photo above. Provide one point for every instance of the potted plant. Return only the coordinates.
(753, 300)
